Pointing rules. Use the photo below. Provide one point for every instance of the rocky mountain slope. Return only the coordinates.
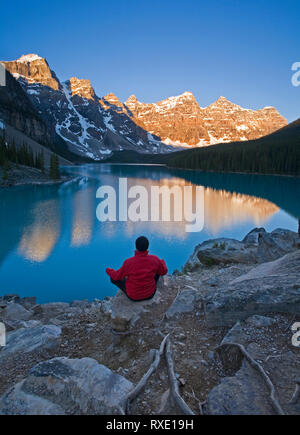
(94, 126)
(89, 125)
(18, 112)
(276, 153)
(181, 121)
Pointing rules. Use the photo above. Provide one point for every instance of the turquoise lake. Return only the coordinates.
(53, 246)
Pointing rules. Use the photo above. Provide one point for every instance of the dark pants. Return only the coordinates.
(121, 284)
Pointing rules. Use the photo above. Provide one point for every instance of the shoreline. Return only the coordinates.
(27, 176)
(189, 309)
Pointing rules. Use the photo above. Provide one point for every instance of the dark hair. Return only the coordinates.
(142, 244)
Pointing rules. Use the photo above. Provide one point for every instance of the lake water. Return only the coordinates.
(53, 246)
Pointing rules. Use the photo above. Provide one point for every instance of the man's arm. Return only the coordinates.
(116, 275)
(162, 268)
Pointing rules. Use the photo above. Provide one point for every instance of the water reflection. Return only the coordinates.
(83, 217)
(56, 229)
(225, 209)
(39, 238)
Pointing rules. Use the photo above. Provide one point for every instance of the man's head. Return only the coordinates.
(142, 244)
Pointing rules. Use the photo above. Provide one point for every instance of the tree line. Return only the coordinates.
(24, 155)
(269, 155)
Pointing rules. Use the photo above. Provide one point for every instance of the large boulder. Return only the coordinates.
(27, 340)
(252, 237)
(243, 391)
(258, 246)
(269, 287)
(242, 333)
(15, 312)
(242, 394)
(185, 302)
(124, 312)
(53, 309)
(221, 250)
(276, 244)
(67, 386)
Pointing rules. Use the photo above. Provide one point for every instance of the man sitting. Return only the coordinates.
(139, 275)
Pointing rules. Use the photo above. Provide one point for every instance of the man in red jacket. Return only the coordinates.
(138, 276)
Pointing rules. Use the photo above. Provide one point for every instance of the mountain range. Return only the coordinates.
(88, 126)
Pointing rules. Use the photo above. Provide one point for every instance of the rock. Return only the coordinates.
(54, 309)
(30, 324)
(14, 325)
(260, 321)
(106, 307)
(252, 237)
(211, 356)
(246, 393)
(235, 335)
(184, 303)
(28, 302)
(67, 386)
(124, 312)
(230, 356)
(258, 246)
(17, 402)
(269, 287)
(212, 281)
(276, 244)
(14, 311)
(31, 339)
(222, 250)
(11, 298)
(80, 304)
(242, 394)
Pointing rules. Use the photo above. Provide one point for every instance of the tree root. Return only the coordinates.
(174, 383)
(120, 333)
(142, 383)
(200, 404)
(165, 348)
(296, 395)
(260, 369)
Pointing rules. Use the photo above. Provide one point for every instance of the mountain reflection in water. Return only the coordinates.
(53, 246)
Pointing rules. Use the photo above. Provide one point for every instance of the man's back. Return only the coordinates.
(140, 272)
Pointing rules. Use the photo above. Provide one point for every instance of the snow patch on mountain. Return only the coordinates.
(29, 58)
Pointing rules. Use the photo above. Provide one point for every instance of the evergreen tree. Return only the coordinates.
(54, 167)
(57, 169)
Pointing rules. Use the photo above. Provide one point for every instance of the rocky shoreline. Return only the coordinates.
(87, 357)
(24, 175)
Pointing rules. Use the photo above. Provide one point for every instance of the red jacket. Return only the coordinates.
(140, 272)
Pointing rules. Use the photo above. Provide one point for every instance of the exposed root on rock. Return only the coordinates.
(174, 383)
(258, 367)
(296, 394)
(120, 333)
(142, 383)
(165, 348)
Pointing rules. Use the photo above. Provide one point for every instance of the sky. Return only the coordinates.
(241, 49)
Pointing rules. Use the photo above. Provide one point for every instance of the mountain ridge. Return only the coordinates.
(86, 121)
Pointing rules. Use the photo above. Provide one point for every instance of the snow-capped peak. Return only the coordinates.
(29, 58)
(185, 95)
(132, 98)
